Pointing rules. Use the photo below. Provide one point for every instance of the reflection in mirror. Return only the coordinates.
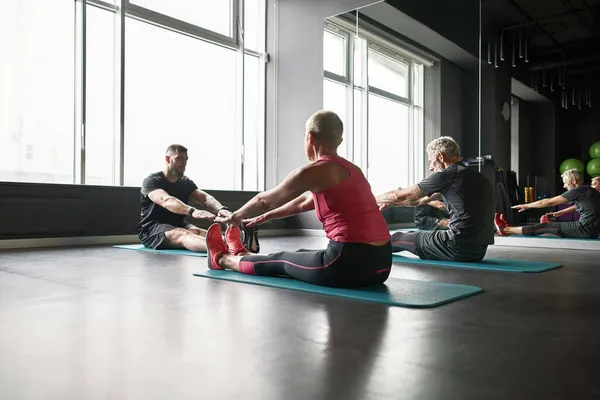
(541, 62)
(399, 77)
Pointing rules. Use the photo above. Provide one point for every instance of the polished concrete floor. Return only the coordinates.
(103, 323)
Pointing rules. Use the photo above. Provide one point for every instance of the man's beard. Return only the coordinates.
(176, 172)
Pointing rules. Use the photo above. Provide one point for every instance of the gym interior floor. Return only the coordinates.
(102, 323)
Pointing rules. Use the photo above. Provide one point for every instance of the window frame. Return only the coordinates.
(358, 145)
(125, 9)
(334, 30)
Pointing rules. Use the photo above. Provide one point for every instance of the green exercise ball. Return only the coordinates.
(571, 163)
(595, 150)
(593, 167)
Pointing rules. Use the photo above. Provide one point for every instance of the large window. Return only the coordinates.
(184, 105)
(102, 99)
(81, 103)
(383, 119)
(36, 91)
(213, 15)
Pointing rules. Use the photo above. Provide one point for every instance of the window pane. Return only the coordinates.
(36, 95)
(388, 144)
(255, 25)
(388, 74)
(360, 46)
(254, 141)
(208, 14)
(179, 90)
(418, 85)
(334, 53)
(335, 99)
(101, 118)
(418, 145)
(359, 133)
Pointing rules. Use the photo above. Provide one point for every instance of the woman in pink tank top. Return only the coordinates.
(359, 252)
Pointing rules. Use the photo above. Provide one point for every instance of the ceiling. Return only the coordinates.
(559, 33)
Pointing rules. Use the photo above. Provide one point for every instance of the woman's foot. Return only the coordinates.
(216, 246)
(233, 236)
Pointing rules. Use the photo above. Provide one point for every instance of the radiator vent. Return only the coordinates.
(41, 215)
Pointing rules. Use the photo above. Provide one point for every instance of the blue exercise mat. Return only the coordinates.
(395, 292)
(141, 247)
(488, 264)
(554, 237)
(516, 236)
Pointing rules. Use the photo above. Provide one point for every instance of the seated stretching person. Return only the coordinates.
(431, 215)
(469, 198)
(587, 204)
(595, 184)
(359, 251)
(164, 197)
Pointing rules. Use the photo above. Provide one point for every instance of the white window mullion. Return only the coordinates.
(238, 179)
(79, 93)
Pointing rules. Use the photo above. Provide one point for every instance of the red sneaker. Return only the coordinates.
(233, 236)
(503, 219)
(544, 219)
(500, 224)
(216, 246)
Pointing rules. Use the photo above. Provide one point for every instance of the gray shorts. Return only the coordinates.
(437, 245)
(153, 235)
(578, 230)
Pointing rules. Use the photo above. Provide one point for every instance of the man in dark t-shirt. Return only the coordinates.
(468, 196)
(164, 198)
(587, 204)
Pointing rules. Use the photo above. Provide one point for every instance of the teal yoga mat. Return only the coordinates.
(395, 292)
(515, 236)
(555, 237)
(141, 247)
(488, 264)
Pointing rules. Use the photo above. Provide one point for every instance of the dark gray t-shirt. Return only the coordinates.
(469, 197)
(152, 212)
(587, 202)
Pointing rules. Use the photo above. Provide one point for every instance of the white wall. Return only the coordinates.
(294, 77)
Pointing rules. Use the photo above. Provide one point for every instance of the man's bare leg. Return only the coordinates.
(197, 231)
(183, 238)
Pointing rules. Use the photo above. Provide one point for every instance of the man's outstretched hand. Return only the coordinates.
(384, 206)
(521, 207)
(203, 214)
(223, 213)
(230, 219)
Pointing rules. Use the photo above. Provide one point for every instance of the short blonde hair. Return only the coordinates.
(573, 174)
(327, 127)
(596, 179)
(444, 144)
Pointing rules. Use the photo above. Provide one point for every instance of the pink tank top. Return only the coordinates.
(348, 211)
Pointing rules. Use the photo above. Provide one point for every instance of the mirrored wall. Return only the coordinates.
(400, 76)
(539, 79)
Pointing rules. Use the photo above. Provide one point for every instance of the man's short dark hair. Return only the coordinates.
(176, 148)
